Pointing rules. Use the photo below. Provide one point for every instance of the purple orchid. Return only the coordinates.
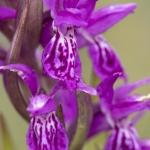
(104, 58)
(60, 57)
(90, 24)
(45, 130)
(123, 135)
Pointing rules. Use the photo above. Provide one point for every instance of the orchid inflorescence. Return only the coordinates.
(62, 115)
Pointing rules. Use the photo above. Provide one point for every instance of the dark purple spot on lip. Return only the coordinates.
(69, 28)
(70, 36)
(71, 55)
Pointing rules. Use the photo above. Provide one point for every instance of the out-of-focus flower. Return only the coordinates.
(7, 13)
(115, 114)
(104, 58)
(45, 130)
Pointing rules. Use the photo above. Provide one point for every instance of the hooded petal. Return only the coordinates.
(41, 104)
(7, 13)
(59, 57)
(70, 17)
(106, 17)
(46, 132)
(104, 59)
(28, 75)
(124, 138)
(121, 93)
(69, 3)
(86, 6)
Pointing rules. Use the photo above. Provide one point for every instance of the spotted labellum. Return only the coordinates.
(42, 74)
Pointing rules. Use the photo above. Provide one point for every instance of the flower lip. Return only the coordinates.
(41, 104)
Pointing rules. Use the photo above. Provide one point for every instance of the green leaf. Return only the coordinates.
(85, 114)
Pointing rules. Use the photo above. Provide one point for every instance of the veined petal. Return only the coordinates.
(41, 104)
(46, 132)
(59, 57)
(28, 75)
(122, 91)
(105, 92)
(104, 59)
(106, 17)
(123, 137)
(70, 18)
(127, 108)
(7, 13)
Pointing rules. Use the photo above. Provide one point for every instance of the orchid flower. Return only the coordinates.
(60, 57)
(104, 58)
(45, 130)
(123, 135)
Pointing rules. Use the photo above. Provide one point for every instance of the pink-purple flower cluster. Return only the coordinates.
(65, 118)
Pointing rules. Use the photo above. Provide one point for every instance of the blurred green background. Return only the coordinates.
(131, 40)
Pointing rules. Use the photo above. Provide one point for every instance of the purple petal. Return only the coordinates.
(27, 74)
(53, 5)
(46, 34)
(68, 101)
(127, 108)
(106, 17)
(99, 124)
(46, 132)
(105, 92)
(70, 3)
(81, 41)
(122, 91)
(104, 59)
(123, 137)
(7, 13)
(87, 7)
(41, 104)
(81, 86)
(145, 144)
(59, 57)
(69, 17)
